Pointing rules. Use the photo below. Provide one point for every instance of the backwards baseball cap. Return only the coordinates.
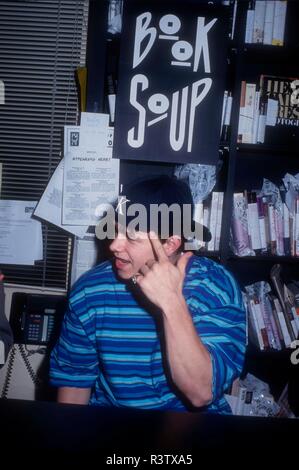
(162, 204)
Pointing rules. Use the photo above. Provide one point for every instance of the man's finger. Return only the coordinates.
(150, 263)
(183, 261)
(157, 246)
(144, 269)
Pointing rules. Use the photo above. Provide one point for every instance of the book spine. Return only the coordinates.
(256, 117)
(258, 23)
(273, 241)
(252, 312)
(219, 220)
(276, 320)
(296, 320)
(241, 242)
(248, 113)
(279, 232)
(282, 322)
(249, 23)
(253, 222)
(280, 291)
(267, 223)
(206, 219)
(266, 316)
(213, 220)
(262, 121)
(241, 126)
(262, 224)
(286, 230)
(280, 11)
(269, 20)
(261, 323)
(277, 338)
(227, 117)
(241, 400)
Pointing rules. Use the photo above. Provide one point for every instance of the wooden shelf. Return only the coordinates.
(291, 150)
(267, 258)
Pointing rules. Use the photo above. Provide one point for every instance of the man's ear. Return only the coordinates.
(172, 245)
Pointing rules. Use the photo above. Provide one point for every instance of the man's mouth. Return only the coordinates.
(120, 263)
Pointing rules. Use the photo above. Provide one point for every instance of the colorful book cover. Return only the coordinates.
(285, 123)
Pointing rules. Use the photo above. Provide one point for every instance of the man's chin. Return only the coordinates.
(123, 275)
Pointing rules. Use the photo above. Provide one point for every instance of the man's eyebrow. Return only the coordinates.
(136, 235)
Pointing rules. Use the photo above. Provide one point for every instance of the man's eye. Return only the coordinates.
(131, 236)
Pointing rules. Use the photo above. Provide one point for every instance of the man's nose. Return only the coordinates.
(119, 243)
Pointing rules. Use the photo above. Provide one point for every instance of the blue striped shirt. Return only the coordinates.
(111, 344)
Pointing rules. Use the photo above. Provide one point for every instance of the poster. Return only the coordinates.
(171, 81)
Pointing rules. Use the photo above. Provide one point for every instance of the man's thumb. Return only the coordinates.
(183, 261)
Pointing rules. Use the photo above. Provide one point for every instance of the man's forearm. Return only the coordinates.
(188, 359)
(75, 395)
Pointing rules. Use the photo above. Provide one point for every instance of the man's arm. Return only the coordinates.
(74, 395)
(204, 358)
(189, 361)
(73, 361)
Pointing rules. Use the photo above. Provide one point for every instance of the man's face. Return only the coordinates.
(131, 251)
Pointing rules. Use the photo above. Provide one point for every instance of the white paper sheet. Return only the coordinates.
(84, 256)
(91, 176)
(97, 120)
(272, 112)
(20, 235)
(49, 207)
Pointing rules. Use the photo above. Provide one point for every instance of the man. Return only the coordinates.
(156, 327)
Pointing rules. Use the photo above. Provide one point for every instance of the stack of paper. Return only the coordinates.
(85, 179)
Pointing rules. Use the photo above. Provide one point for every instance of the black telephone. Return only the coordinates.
(36, 318)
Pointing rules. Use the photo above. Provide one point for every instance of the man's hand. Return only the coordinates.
(161, 280)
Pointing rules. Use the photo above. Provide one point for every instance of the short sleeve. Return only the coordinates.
(73, 361)
(220, 320)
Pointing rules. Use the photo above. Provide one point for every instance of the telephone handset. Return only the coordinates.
(36, 318)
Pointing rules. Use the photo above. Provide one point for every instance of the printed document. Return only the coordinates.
(49, 207)
(91, 175)
(20, 236)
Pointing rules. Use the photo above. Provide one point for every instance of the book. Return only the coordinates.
(269, 21)
(284, 126)
(258, 22)
(249, 23)
(279, 20)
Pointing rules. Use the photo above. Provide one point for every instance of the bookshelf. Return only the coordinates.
(243, 166)
(248, 164)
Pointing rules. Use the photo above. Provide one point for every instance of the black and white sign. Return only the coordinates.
(171, 81)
